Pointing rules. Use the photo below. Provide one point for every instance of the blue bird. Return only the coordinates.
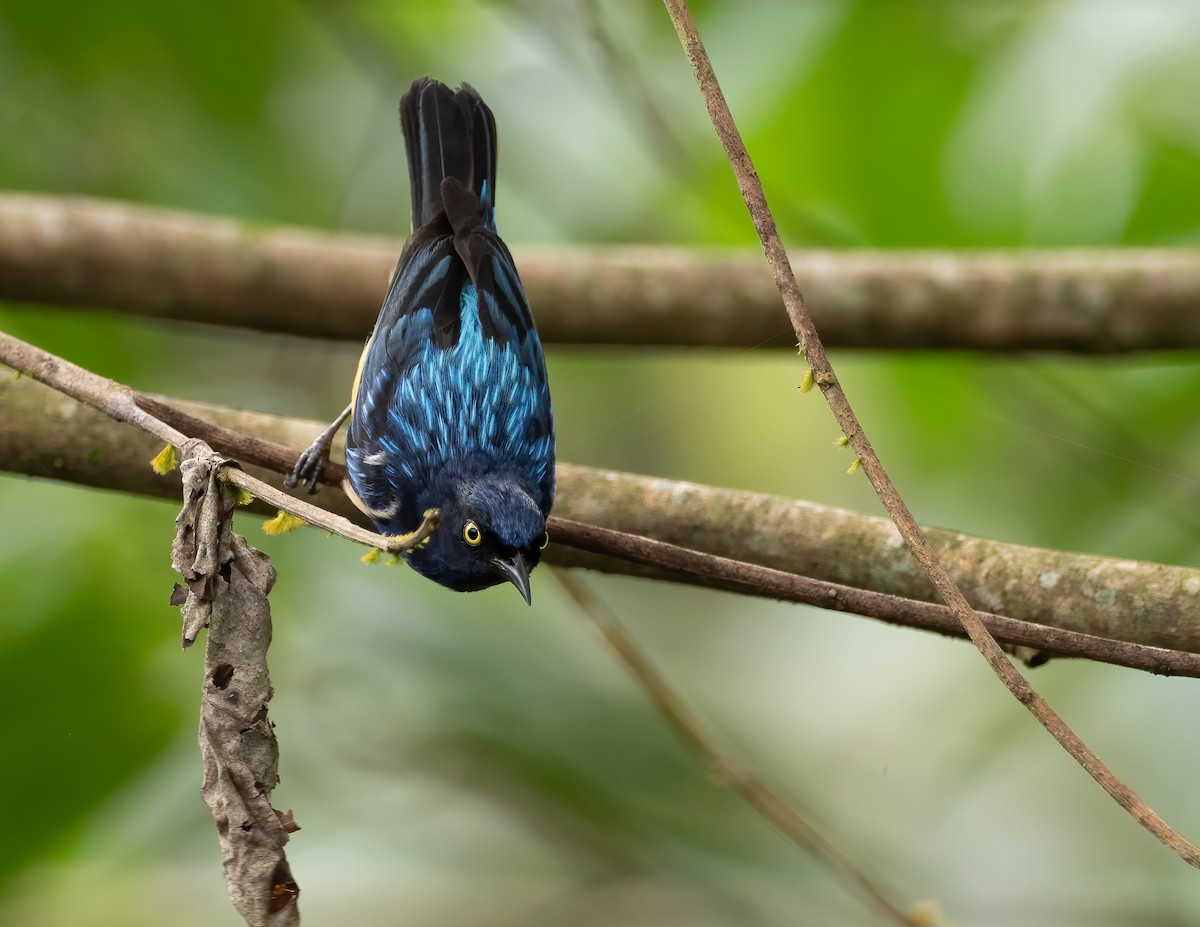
(451, 406)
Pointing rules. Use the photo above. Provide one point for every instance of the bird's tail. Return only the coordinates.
(447, 134)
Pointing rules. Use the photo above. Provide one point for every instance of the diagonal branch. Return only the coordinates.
(915, 539)
(127, 405)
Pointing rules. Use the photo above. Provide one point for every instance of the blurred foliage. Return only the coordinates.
(458, 759)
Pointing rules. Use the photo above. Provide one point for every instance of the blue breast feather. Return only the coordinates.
(479, 405)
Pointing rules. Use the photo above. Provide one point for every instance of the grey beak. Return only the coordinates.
(515, 571)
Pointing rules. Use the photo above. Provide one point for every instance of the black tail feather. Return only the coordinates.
(447, 134)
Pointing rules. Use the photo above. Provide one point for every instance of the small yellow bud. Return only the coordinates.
(806, 384)
(393, 560)
(841, 441)
(371, 556)
(282, 524)
(164, 461)
(854, 466)
(240, 496)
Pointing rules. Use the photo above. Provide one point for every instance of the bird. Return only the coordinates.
(451, 404)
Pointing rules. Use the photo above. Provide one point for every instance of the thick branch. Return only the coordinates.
(764, 545)
(174, 265)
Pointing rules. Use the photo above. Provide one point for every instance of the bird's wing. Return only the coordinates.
(505, 317)
(504, 313)
(423, 306)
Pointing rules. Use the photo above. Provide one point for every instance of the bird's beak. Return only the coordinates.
(515, 571)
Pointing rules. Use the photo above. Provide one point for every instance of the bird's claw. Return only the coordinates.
(309, 466)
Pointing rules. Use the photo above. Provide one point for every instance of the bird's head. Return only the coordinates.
(491, 531)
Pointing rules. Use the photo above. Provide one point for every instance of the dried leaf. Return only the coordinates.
(227, 582)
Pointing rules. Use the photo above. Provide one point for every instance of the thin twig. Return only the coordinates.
(111, 398)
(322, 518)
(914, 538)
(733, 772)
(127, 405)
(752, 579)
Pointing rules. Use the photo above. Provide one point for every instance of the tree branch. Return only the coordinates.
(914, 538)
(683, 564)
(174, 265)
(742, 542)
(124, 404)
(227, 582)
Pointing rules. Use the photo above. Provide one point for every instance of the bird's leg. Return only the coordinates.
(312, 461)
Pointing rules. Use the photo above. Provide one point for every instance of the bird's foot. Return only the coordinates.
(310, 464)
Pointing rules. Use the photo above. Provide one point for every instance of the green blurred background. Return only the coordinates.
(464, 760)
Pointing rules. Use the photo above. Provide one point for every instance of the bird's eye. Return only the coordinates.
(472, 535)
(545, 541)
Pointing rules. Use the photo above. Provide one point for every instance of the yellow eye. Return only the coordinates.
(545, 541)
(472, 535)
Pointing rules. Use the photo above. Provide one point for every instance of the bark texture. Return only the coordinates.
(46, 434)
(175, 265)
